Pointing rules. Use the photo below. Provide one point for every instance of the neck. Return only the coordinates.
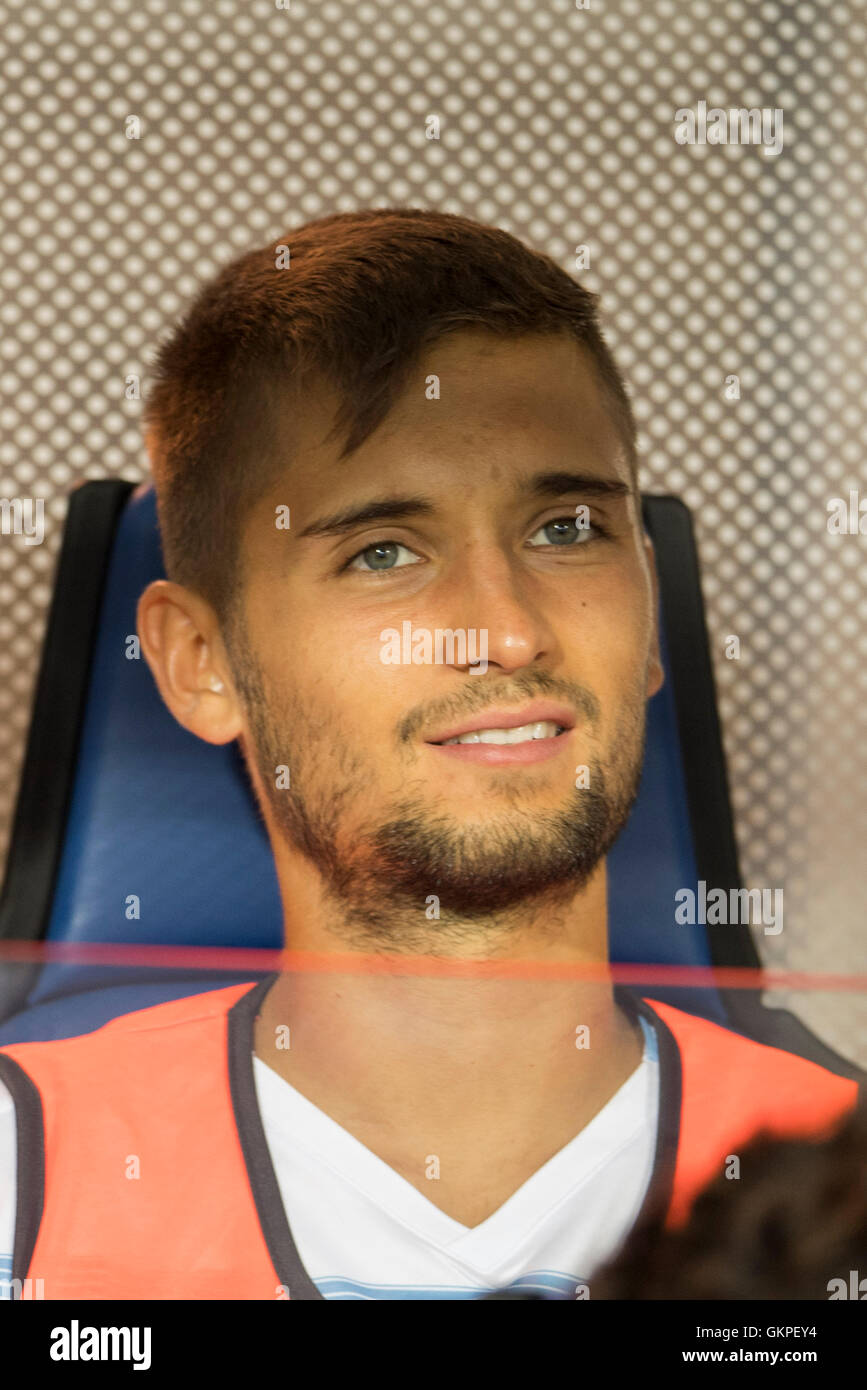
(480, 1077)
(410, 1051)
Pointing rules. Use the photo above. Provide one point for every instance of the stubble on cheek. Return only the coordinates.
(332, 789)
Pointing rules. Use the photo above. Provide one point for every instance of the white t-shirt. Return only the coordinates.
(364, 1232)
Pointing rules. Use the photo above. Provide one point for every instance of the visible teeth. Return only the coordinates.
(525, 732)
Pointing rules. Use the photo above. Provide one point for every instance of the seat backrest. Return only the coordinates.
(162, 843)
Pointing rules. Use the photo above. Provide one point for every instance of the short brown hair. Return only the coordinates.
(364, 293)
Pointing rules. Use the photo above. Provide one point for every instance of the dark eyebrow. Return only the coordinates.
(554, 484)
(395, 508)
(386, 509)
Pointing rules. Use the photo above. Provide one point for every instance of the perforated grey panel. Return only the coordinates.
(557, 123)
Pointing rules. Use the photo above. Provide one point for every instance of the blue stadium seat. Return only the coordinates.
(116, 799)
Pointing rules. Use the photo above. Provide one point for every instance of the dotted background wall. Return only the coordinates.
(558, 124)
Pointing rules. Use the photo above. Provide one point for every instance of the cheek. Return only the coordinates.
(359, 668)
(612, 621)
(331, 684)
(324, 649)
(609, 646)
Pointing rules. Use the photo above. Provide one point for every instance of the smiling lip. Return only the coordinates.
(533, 751)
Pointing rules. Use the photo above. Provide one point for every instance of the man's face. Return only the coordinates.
(386, 812)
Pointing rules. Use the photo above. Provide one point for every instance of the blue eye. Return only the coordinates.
(381, 551)
(564, 530)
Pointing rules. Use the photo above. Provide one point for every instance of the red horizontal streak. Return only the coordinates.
(239, 959)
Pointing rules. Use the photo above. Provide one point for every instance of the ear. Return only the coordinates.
(655, 673)
(180, 638)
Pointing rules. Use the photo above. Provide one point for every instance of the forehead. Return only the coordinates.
(477, 410)
(471, 396)
(540, 387)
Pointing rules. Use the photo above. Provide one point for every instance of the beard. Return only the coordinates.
(381, 873)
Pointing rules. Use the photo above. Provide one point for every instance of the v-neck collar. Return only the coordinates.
(270, 1208)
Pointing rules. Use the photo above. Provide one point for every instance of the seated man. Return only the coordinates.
(396, 477)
